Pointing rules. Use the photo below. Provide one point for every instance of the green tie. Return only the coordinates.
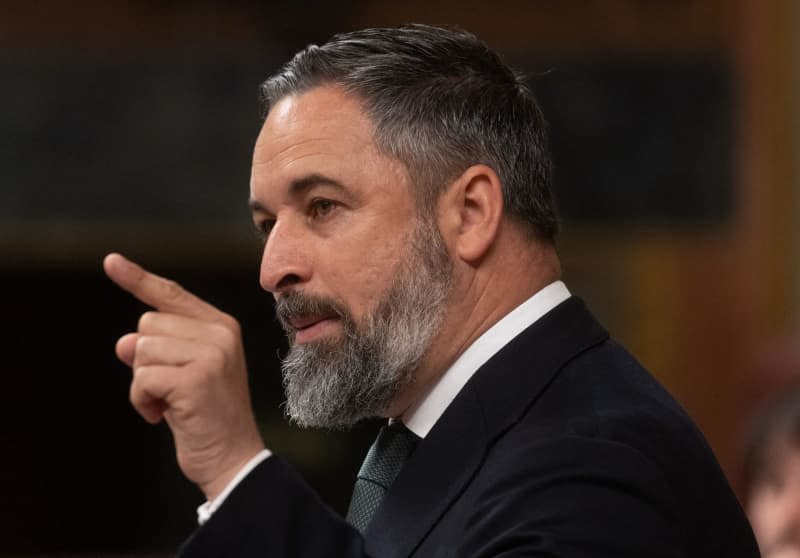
(381, 466)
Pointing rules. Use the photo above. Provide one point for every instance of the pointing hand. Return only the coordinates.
(189, 369)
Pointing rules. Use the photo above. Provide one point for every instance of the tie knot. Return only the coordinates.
(394, 444)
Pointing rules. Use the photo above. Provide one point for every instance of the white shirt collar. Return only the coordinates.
(421, 416)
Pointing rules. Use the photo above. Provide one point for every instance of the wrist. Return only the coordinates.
(207, 509)
(228, 471)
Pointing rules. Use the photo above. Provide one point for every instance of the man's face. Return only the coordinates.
(360, 280)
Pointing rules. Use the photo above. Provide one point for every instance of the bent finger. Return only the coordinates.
(183, 327)
(163, 350)
(150, 391)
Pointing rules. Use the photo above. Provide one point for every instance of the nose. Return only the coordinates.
(284, 263)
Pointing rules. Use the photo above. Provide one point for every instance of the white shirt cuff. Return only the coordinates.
(206, 510)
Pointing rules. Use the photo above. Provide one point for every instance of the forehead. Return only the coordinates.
(323, 131)
(322, 121)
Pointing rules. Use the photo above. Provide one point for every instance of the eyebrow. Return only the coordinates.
(299, 185)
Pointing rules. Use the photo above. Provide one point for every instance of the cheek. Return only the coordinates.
(361, 276)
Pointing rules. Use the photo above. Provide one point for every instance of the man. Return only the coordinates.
(402, 184)
(772, 475)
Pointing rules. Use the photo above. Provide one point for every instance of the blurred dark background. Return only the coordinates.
(128, 126)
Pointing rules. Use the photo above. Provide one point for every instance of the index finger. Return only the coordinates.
(162, 294)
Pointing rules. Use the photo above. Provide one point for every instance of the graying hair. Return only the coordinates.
(440, 101)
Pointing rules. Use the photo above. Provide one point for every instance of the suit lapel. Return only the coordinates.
(491, 402)
(516, 376)
(438, 469)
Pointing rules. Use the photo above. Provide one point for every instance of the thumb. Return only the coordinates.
(126, 348)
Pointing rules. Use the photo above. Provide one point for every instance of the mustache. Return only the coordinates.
(294, 305)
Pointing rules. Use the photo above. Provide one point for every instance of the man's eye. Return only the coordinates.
(263, 228)
(321, 207)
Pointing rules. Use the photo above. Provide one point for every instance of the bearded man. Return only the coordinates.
(402, 183)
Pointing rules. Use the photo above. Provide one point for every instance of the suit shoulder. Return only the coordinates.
(604, 416)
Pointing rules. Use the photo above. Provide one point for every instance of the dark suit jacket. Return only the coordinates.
(560, 445)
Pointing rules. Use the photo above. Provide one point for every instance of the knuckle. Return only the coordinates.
(143, 343)
(227, 337)
(147, 320)
(140, 400)
(216, 357)
(136, 392)
(134, 396)
(140, 374)
(232, 324)
(146, 345)
(172, 290)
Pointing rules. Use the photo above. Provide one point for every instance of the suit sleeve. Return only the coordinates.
(273, 512)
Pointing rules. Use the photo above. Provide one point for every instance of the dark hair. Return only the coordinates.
(773, 429)
(440, 101)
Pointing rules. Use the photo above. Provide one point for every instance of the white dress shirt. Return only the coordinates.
(422, 415)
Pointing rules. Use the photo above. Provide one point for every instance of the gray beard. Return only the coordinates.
(335, 383)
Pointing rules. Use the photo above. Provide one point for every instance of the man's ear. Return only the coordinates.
(471, 210)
